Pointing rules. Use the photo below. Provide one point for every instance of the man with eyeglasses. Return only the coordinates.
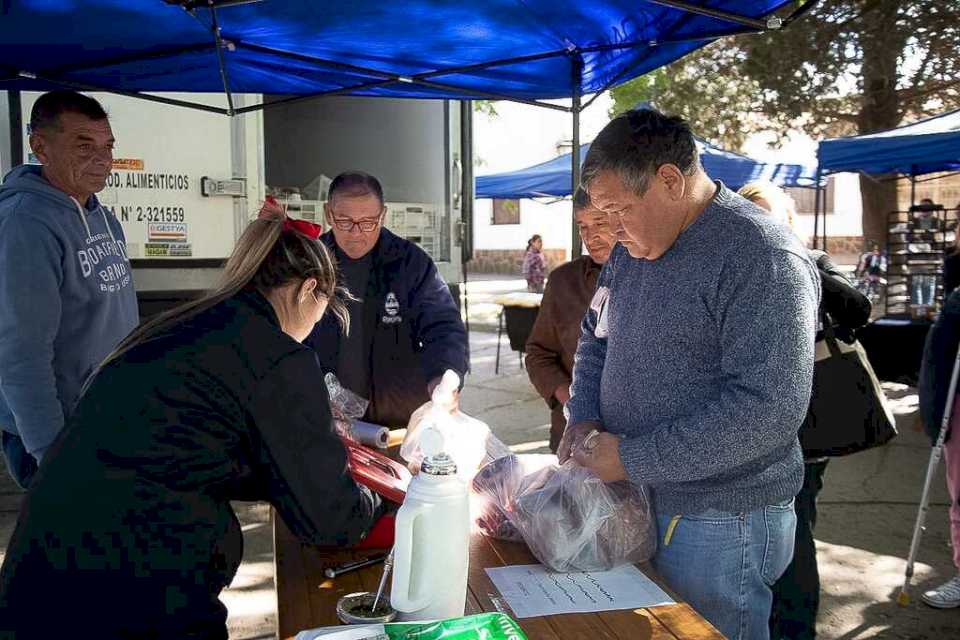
(405, 328)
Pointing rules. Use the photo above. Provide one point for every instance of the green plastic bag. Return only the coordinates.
(484, 626)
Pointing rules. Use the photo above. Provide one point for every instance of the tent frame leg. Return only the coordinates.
(576, 243)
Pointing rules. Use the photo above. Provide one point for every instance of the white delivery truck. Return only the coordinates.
(186, 182)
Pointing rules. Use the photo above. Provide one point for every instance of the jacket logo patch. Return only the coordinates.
(391, 308)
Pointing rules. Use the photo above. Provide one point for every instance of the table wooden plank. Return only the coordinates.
(684, 622)
(293, 605)
(483, 554)
(575, 626)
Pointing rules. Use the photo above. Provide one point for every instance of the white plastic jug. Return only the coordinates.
(432, 540)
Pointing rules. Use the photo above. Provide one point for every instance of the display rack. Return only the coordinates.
(916, 241)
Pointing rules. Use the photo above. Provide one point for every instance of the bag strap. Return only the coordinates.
(829, 336)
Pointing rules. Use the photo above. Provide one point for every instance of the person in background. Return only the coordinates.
(796, 595)
(951, 263)
(924, 223)
(694, 368)
(407, 328)
(66, 288)
(534, 265)
(553, 341)
(936, 371)
(127, 531)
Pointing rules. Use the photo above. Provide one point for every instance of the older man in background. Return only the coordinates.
(555, 334)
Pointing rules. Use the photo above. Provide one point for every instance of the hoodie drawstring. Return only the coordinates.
(83, 218)
(107, 223)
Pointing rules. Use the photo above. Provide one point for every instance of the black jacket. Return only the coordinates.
(951, 272)
(413, 341)
(939, 355)
(127, 530)
(847, 308)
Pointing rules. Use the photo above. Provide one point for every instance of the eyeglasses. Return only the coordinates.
(365, 225)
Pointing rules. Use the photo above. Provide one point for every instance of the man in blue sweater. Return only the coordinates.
(66, 291)
(694, 369)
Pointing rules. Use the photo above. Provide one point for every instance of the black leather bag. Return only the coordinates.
(848, 410)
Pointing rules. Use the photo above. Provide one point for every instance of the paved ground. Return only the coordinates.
(867, 511)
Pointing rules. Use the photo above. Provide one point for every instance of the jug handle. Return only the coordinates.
(400, 596)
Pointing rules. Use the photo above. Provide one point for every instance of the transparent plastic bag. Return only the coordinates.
(346, 407)
(569, 518)
(503, 477)
(467, 440)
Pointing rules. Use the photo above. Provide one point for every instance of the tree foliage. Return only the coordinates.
(846, 67)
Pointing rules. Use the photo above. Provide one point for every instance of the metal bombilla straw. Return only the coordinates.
(387, 566)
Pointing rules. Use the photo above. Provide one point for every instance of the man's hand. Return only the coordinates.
(562, 394)
(573, 437)
(433, 384)
(600, 453)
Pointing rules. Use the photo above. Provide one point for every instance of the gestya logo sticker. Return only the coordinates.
(391, 308)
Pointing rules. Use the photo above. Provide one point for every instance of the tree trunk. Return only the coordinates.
(881, 43)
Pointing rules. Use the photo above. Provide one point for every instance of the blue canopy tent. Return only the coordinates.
(441, 49)
(927, 146)
(552, 179)
(893, 343)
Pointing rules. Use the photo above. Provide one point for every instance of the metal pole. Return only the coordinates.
(467, 193)
(16, 128)
(816, 210)
(576, 244)
(824, 244)
(218, 41)
(913, 185)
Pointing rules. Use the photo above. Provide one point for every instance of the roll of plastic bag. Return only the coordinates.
(372, 435)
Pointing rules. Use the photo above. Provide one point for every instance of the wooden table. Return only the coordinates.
(307, 599)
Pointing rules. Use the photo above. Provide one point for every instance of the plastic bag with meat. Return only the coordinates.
(569, 518)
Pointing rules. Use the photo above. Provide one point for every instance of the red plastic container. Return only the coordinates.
(384, 476)
(378, 472)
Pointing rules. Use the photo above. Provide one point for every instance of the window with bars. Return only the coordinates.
(506, 211)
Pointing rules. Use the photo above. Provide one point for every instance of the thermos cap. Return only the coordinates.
(439, 465)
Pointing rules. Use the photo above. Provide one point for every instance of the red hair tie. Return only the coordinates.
(309, 229)
(273, 210)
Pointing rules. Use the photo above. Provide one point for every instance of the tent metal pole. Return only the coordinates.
(576, 244)
(824, 248)
(816, 210)
(913, 185)
(323, 94)
(82, 86)
(467, 196)
(466, 91)
(218, 38)
(714, 13)
(16, 128)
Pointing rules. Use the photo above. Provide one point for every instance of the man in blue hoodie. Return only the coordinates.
(66, 289)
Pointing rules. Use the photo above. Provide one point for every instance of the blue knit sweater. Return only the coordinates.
(702, 361)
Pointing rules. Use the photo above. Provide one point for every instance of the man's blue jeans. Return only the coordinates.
(724, 564)
(21, 465)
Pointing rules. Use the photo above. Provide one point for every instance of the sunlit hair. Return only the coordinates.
(581, 199)
(782, 205)
(266, 257)
(635, 144)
